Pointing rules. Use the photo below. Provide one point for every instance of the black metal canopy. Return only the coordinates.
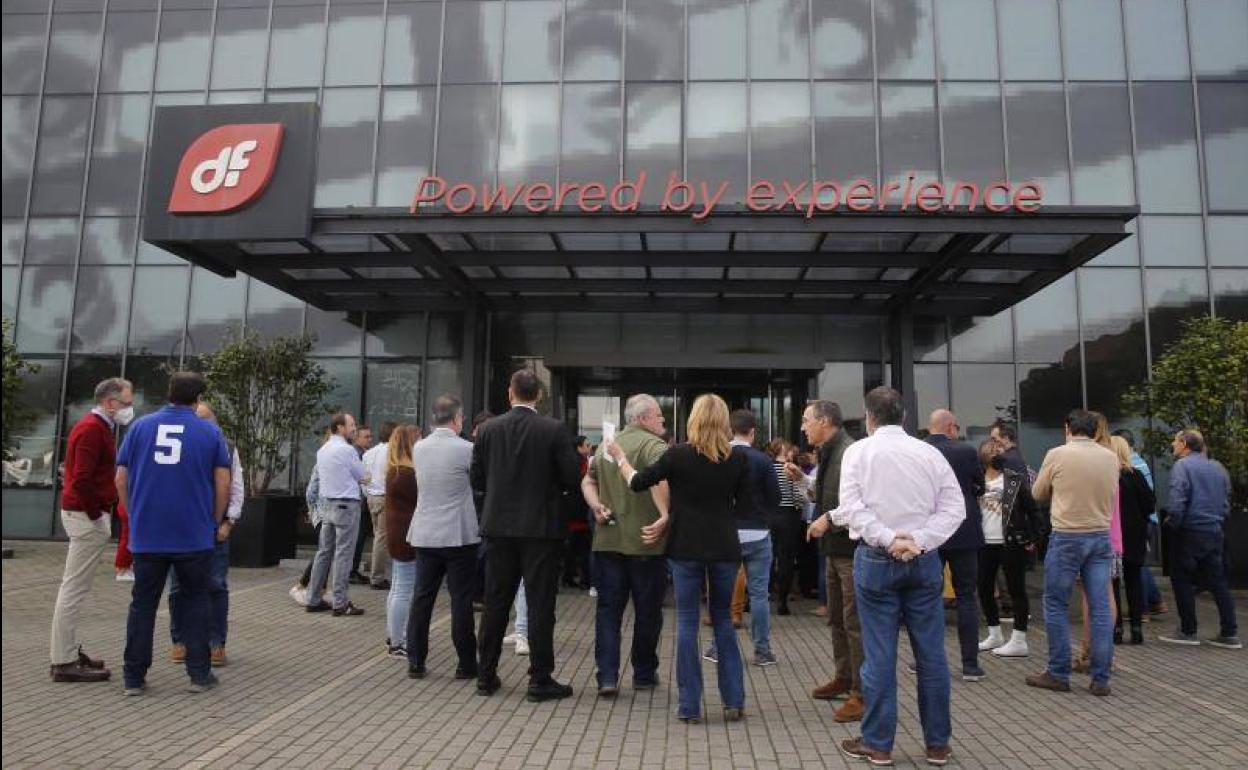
(953, 262)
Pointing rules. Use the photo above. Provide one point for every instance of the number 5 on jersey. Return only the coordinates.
(168, 445)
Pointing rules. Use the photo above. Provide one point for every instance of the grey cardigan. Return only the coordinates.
(445, 515)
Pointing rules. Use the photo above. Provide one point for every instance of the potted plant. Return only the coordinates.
(267, 394)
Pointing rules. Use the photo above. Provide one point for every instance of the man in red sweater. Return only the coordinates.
(88, 497)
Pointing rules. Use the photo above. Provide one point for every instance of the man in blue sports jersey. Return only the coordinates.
(173, 476)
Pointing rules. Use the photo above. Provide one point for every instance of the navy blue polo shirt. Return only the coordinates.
(170, 457)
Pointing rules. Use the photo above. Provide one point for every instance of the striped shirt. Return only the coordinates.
(790, 495)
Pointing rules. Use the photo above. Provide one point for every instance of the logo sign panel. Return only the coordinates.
(231, 172)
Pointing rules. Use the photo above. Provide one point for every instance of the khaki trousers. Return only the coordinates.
(87, 540)
(843, 618)
(379, 564)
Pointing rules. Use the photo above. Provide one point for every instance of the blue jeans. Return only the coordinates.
(644, 578)
(399, 600)
(1088, 556)
(218, 598)
(687, 578)
(151, 570)
(756, 555)
(890, 592)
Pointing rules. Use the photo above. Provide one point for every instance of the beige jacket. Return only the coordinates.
(1080, 478)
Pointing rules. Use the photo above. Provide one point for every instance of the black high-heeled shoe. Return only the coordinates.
(1117, 634)
(1137, 633)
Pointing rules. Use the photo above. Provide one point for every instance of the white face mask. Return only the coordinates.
(124, 415)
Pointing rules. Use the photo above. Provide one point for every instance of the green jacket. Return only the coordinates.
(633, 510)
(836, 541)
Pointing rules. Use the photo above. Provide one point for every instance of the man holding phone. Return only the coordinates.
(628, 560)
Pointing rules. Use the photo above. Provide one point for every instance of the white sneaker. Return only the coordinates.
(522, 646)
(993, 640)
(300, 595)
(511, 638)
(125, 576)
(1015, 648)
(593, 593)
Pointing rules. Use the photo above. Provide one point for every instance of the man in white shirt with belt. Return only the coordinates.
(899, 497)
(341, 472)
(376, 460)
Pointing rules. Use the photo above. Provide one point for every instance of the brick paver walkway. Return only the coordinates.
(307, 690)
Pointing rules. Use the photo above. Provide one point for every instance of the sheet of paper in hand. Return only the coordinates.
(608, 437)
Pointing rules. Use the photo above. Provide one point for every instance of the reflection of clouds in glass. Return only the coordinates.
(655, 46)
(716, 39)
(296, 47)
(591, 133)
(527, 136)
(842, 38)
(778, 38)
(905, 45)
(413, 43)
(592, 40)
(345, 153)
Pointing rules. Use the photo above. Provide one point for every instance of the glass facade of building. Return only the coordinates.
(1139, 102)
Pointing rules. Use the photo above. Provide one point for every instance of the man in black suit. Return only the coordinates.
(521, 463)
(961, 552)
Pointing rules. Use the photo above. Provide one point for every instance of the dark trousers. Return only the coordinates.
(507, 561)
(576, 559)
(1012, 560)
(644, 578)
(151, 570)
(1198, 561)
(786, 544)
(307, 571)
(457, 566)
(810, 564)
(964, 568)
(218, 599)
(478, 575)
(366, 531)
(1133, 579)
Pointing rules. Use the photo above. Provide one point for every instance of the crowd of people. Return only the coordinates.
(497, 517)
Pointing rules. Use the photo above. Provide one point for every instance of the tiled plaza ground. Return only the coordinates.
(316, 691)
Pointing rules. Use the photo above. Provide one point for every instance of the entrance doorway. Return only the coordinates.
(594, 394)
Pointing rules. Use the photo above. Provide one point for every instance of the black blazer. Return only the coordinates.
(965, 462)
(521, 463)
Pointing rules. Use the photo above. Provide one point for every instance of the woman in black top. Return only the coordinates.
(1135, 504)
(708, 482)
(787, 528)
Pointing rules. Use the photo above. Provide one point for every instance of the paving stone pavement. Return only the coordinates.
(307, 690)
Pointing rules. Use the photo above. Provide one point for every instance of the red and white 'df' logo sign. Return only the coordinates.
(226, 168)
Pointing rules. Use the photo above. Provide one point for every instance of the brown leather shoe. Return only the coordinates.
(77, 672)
(217, 658)
(1099, 689)
(1046, 681)
(831, 690)
(854, 748)
(851, 710)
(178, 653)
(938, 755)
(87, 660)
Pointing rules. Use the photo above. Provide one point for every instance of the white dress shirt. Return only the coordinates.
(892, 482)
(376, 460)
(235, 510)
(339, 468)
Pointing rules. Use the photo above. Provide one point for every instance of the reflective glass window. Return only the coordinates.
(43, 308)
(51, 241)
(779, 33)
(40, 396)
(337, 333)
(446, 333)
(1165, 147)
(468, 116)
(1092, 40)
(1036, 138)
(842, 38)
(271, 311)
(108, 240)
(159, 310)
(413, 41)
(182, 56)
(718, 333)
(121, 122)
(17, 139)
(60, 161)
(443, 376)
(1173, 297)
(655, 40)
(216, 308)
(1156, 39)
(239, 48)
(716, 135)
(930, 344)
(1171, 241)
(1224, 125)
(908, 132)
(1029, 39)
(101, 309)
(251, 96)
(395, 334)
(1219, 29)
(1125, 252)
(151, 382)
(345, 156)
(650, 333)
(73, 53)
(12, 241)
(1100, 136)
(904, 47)
(472, 51)
(716, 39)
(1045, 323)
(1227, 239)
(967, 30)
(1113, 336)
(590, 142)
(652, 141)
(154, 255)
(592, 39)
(531, 46)
(982, 394)
(297, 47)
(931, 387)
(392, 393)
(354, 57)
(845, 131)
(1230, 294)
(24, 37)
(1046, 394)
(983, 338)
(974, 140)
(528, 136)
(588, 332)
(9, 278)
(780, 132)
(405, 143)
(129, 52)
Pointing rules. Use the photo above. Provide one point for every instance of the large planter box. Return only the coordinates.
(266, 533)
